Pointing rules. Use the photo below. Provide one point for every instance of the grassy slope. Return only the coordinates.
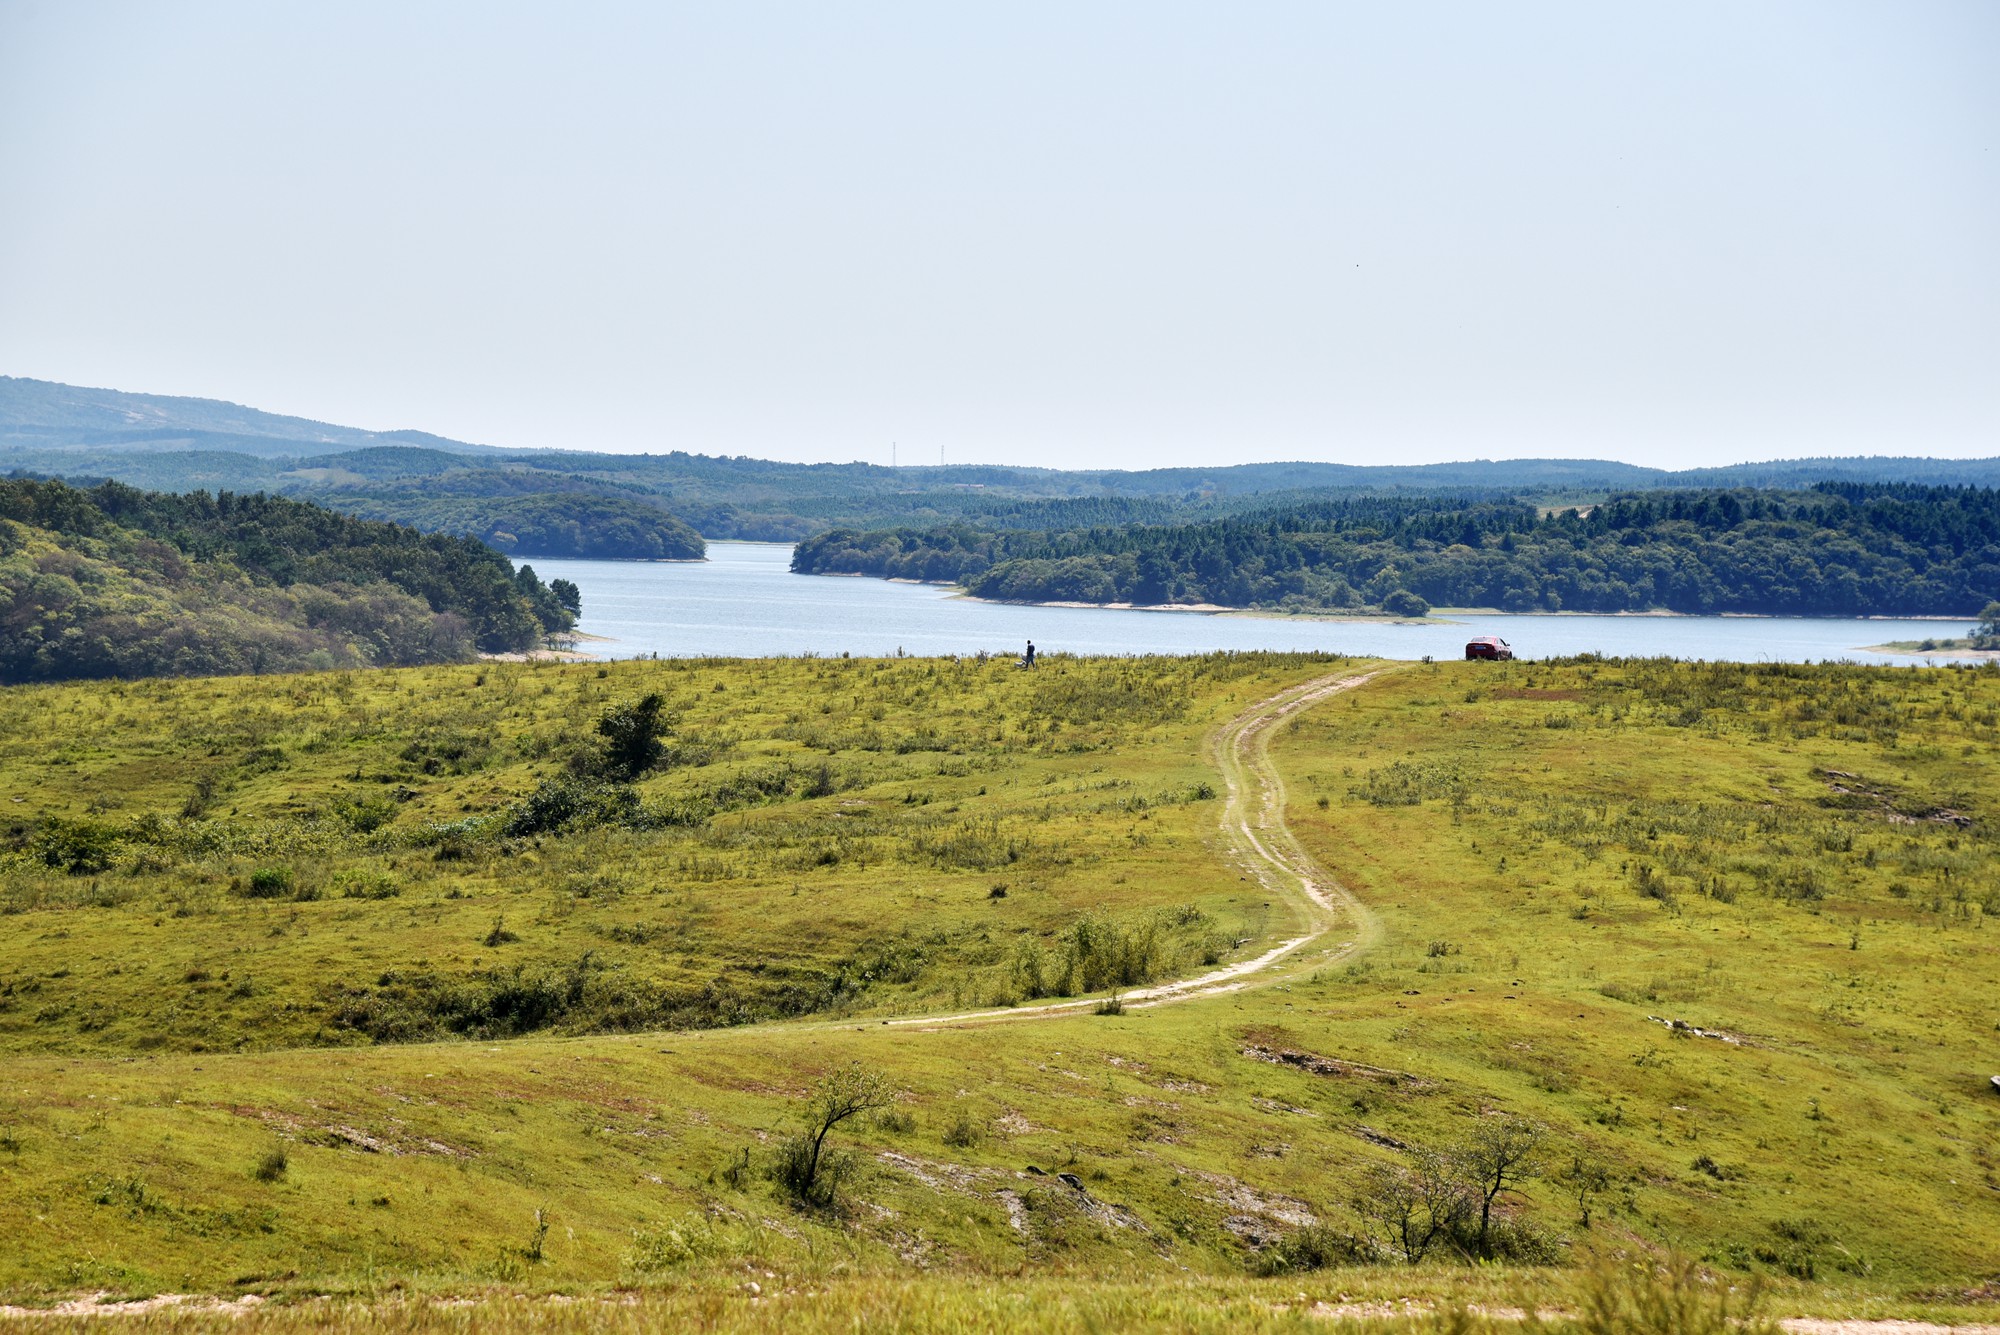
(1072, 789)
(1599, 846)
(136, 1173)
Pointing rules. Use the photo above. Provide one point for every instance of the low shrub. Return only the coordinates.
(79, 847)
(1315, 1247)
(268, 883)
(568, 803)
(672, 1245)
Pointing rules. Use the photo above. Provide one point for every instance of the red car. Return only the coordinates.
(1490, 647)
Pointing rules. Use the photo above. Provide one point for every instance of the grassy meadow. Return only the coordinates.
(1733, 931)
(359, 857)
(355, 985)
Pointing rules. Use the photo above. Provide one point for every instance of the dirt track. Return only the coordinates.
(1257, 839)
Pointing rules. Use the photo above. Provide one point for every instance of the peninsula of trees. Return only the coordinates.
(117, 582)
(1839, 549)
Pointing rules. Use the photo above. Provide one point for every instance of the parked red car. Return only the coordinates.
(1490, 647)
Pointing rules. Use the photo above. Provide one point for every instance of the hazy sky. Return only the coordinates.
(1111, 234)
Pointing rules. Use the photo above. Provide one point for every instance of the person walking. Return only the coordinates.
(1028, 659)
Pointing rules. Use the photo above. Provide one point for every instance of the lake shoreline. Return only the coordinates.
(745, 602)
(1947, 649)
(1437, 616)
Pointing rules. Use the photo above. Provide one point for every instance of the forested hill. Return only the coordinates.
(1839, 549)
(590, 525)
(116, 582)
(577, 502)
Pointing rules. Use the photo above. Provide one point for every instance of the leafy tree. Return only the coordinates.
(807, 1171)
(1585, 1178)
(632, 736)
(568, 595)
(1403, 603)
(1419, 1206)
(1989, 622)
(1499, 1155)
(548, 609)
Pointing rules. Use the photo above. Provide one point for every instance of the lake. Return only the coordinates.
(745, 602)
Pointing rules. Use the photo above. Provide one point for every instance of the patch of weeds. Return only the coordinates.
(272, 1167)
(268, 883)
(670, 1246)
(1315, 1247)
(964, 1131)
(367, 883)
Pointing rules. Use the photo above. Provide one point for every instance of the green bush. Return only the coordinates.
(366, 883)
(268, 883)
(271, 1168)
(79, 847)
(632, 736)
(566, 803)
(1403, 603)
(670, 1246)
(368, 814)
(1315, 1247)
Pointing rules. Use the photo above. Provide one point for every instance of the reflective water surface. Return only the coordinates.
(745, 602)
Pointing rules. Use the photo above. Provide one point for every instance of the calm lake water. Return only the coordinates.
(745, 602)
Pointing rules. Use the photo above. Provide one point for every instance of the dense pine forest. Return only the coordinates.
(117, 582)
(1839, 549)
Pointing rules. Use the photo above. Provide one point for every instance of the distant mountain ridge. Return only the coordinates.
(663, 504)
(71, 415)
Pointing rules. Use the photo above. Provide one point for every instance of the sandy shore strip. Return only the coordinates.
(553, 655)
(1913, 651)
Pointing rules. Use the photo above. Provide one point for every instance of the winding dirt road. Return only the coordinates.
(1255, 838)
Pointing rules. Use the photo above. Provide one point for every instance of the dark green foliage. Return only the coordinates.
(1095, 955)
(572, 503)
(1989, 624)
(365, 815)
(410, 1007)
(268, 883)
(1842, 549)
(590, 524)
(1403, 603)
(289, 542)
(633, 736)
(79, 847)
(118, 582)
(272, 1167)
(1315, 1247)
(569, 803)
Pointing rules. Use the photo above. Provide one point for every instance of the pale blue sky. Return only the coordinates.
(1073, 234)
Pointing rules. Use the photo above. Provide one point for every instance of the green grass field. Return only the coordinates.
(224, 865)
(267, 1031)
